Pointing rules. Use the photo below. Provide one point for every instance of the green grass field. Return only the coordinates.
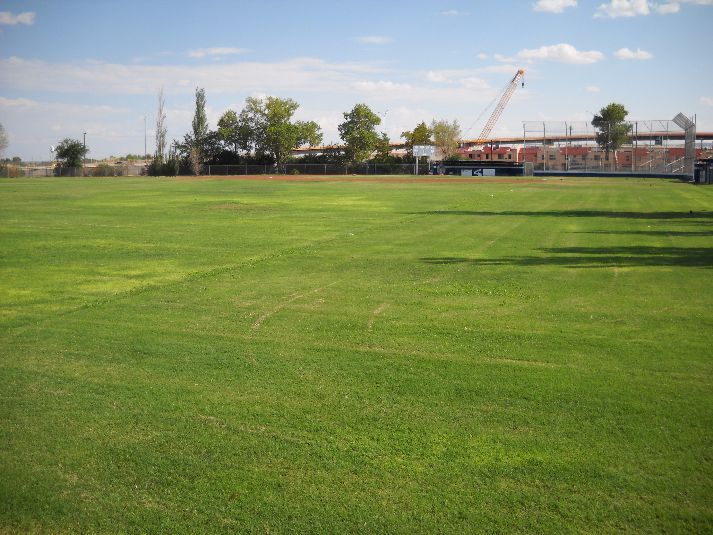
(211, 356)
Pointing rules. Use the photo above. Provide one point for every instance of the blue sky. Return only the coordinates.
(75, 66)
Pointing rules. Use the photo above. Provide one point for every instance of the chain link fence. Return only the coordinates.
(101, 170)
(106, 170)
(323, 169)
(653, 146)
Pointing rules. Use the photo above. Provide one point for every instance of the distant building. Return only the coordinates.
(579, 158)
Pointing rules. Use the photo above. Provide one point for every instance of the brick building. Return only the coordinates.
(562, 158)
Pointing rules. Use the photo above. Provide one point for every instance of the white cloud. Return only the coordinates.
(382, 87)
(674, 6)
(308, 76)
(467, 78)
(215, 52)
(667, 8)
(7, 18)
(692, 2)
(707, 101)
(593, 89)
(554, 6)
(453, 13)
(504, 59)
(473, 82)
(36, 125)
(482, 56)
(454, 86)
(305, 74)
(561, 53)
(638, 54)
(28, 105)
(633, 8)
(507, 68)
(375, 40)
(623, 8)
(499, 69)
(402, 118)
(437, 76)
(449, 76)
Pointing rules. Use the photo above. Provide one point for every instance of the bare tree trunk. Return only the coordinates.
(195, 158)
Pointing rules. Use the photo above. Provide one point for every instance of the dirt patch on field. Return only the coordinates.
(226, 206)
(239, 207)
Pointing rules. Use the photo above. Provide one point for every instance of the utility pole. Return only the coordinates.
(568, 134)
(609, 143)
(636, 146)
(544, 146)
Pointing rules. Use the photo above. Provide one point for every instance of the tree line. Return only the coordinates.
(265, 132)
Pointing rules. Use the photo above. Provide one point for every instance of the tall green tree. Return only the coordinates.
(446, 137)
(421, 135)
(267, 128)
(358, 131)
(383, 149)
(69, 152)
(612, 130)
(193, 147)
(200, 119)
(253, 122)
(233, 132)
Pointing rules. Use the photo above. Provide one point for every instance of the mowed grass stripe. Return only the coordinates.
(156, 224)
(513, 382)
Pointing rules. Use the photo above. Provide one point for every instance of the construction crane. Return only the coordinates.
(502, 103)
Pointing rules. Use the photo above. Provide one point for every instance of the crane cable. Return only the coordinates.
(504, 97)
(488, 107)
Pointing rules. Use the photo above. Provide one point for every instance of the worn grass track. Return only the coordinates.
(266, 356)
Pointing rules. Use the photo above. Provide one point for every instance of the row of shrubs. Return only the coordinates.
(306, 165)
(170, 167)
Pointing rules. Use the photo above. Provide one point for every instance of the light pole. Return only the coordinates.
(609, 143)
(84, 153)
(595, 132)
